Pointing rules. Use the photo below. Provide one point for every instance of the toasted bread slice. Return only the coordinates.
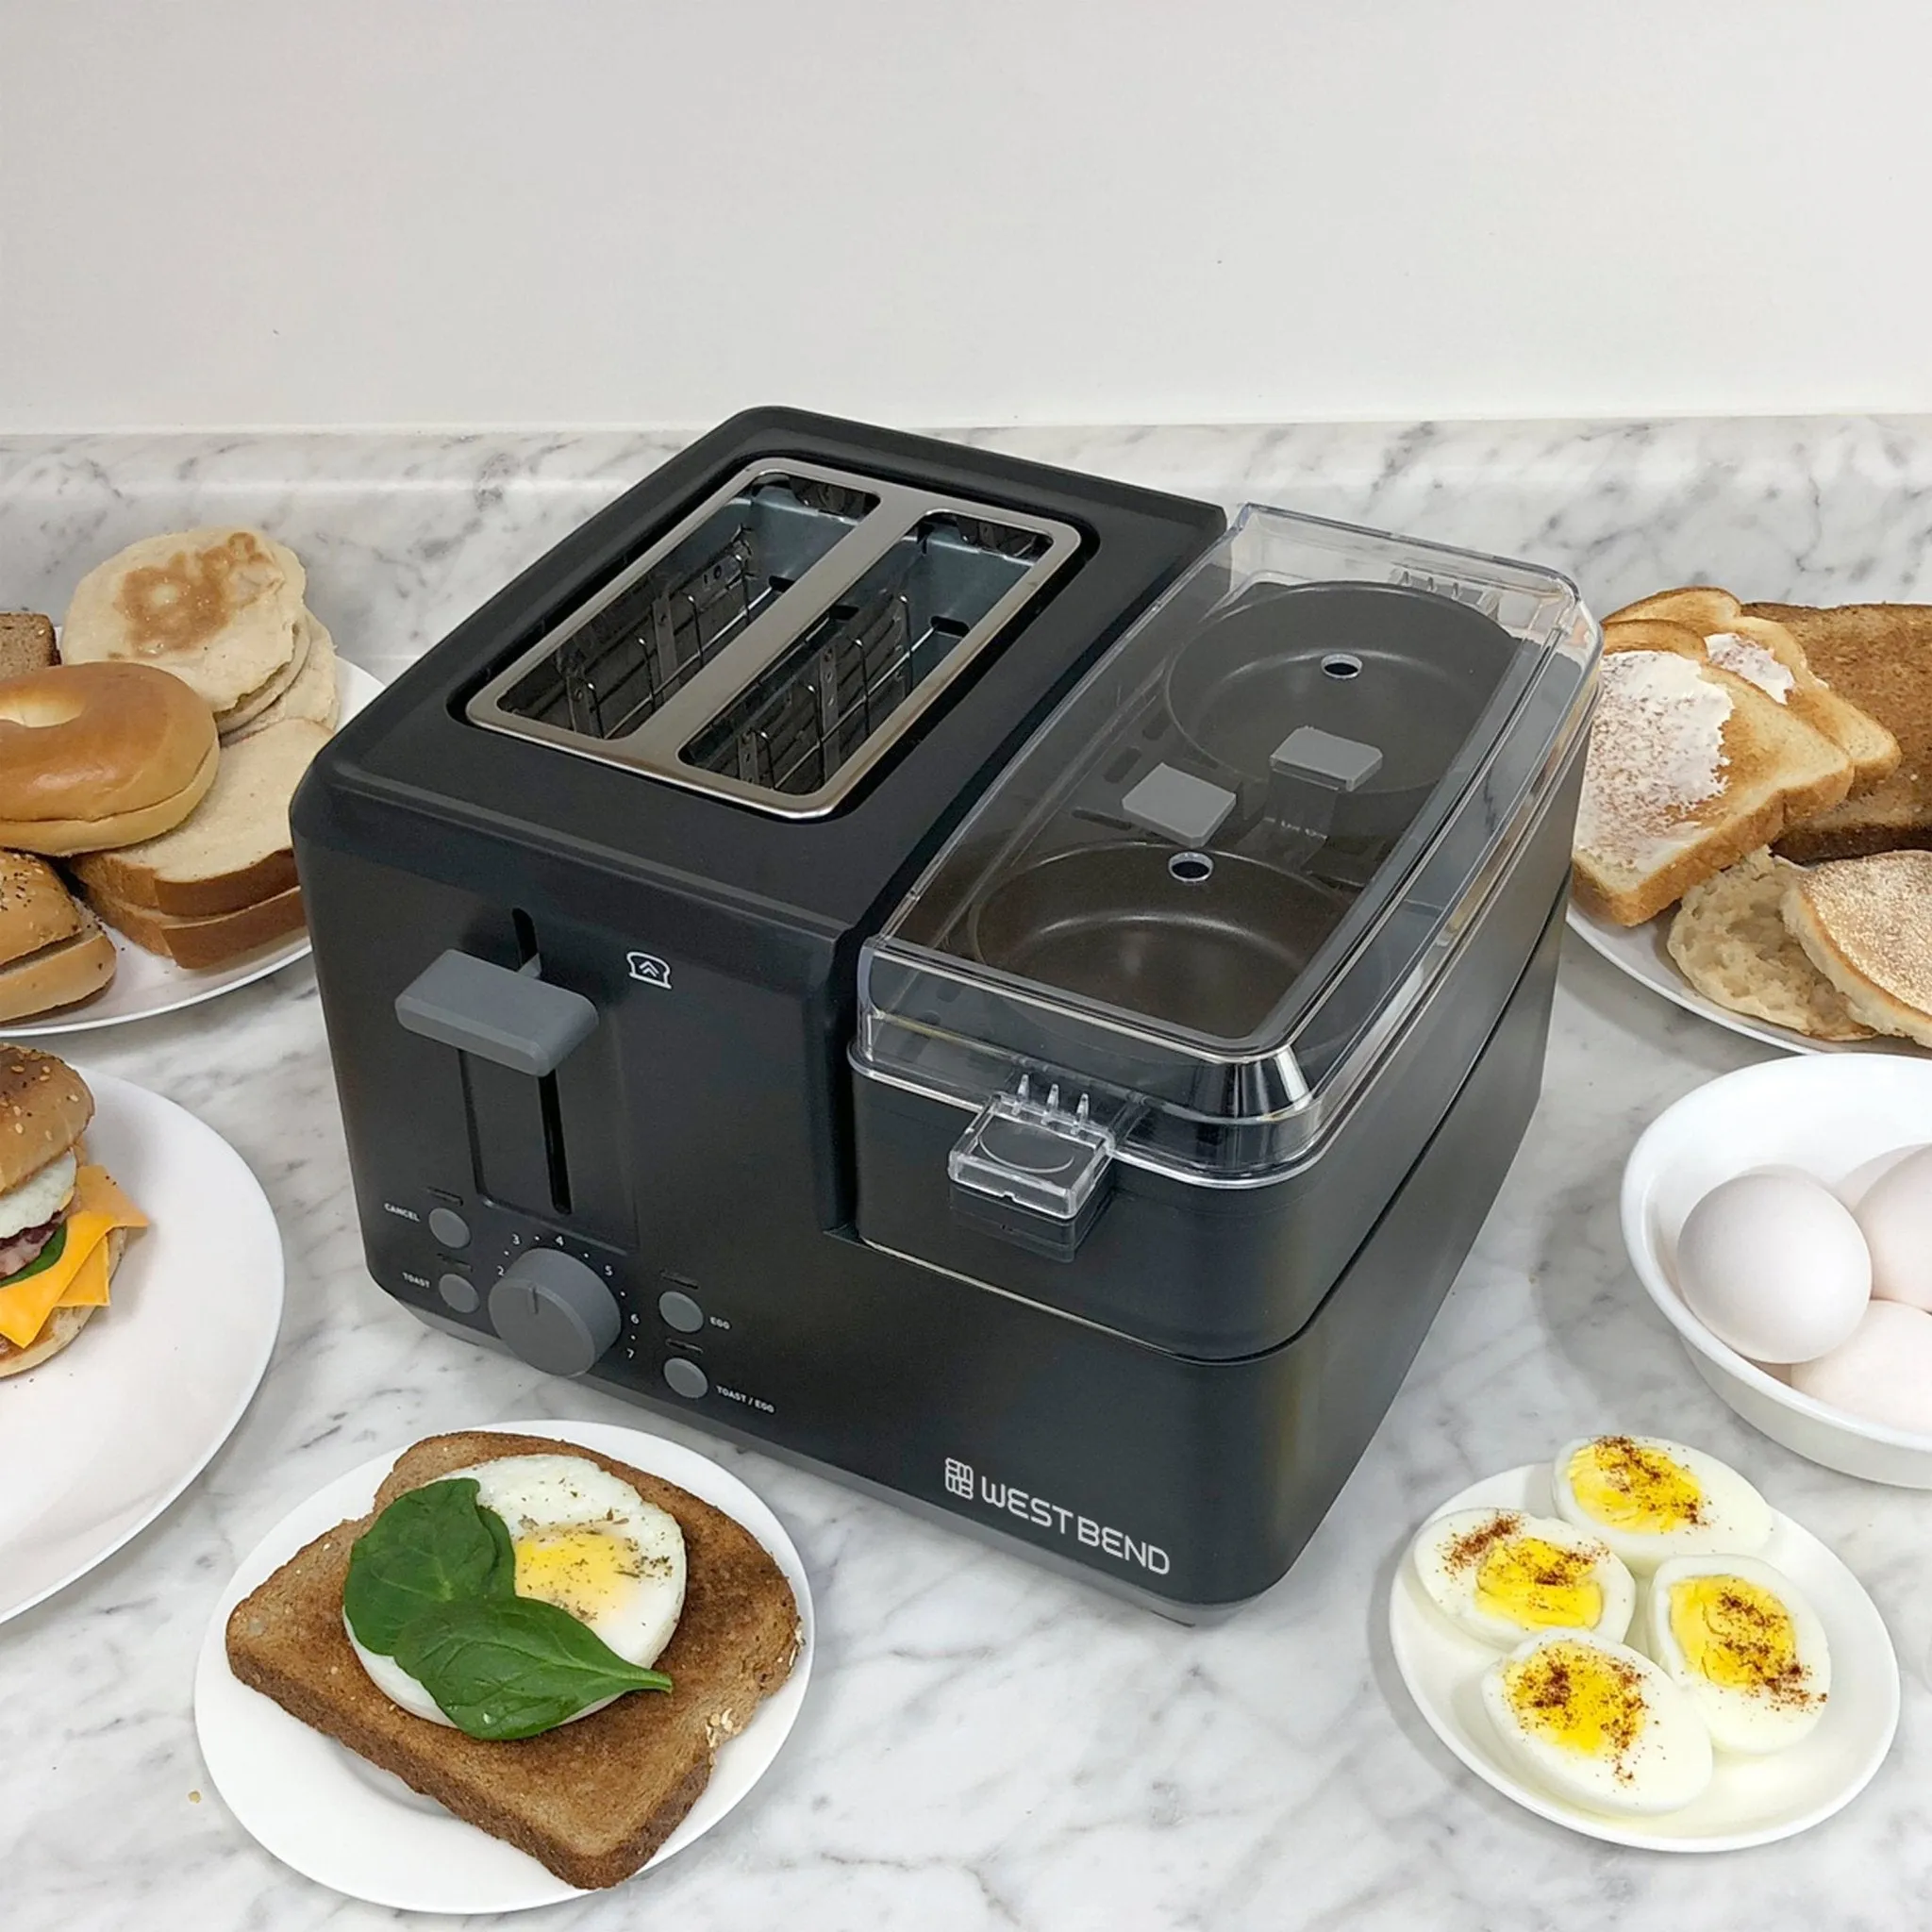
(216, 940)
(1730, 941)
(234, 850)
(27, 643)
(1879, 655)
(1688, 769)
(1866, 924)
(1764, 653)
(593, 1799)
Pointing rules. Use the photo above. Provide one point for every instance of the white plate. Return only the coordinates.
(1826, 1118)
(1751, 1801)
(342, 1822)
(1638, 951)
(99, 1441)
(145, 984)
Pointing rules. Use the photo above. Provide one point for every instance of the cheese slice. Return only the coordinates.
(79, 1277)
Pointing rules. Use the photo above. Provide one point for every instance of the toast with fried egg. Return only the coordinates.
(593, 1799)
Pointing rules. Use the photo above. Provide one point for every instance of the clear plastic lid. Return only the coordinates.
(1183, 925)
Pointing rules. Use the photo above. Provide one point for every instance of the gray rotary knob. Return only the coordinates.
(553, 1310)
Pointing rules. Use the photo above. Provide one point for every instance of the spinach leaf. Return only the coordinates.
(432, 1546)
(512, 1666)
(57, 1243)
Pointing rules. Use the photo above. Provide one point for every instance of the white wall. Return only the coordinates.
(498, 211)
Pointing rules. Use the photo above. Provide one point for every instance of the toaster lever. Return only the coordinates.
(514, 1019)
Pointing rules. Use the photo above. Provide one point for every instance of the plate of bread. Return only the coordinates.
(505, 1666)
(1755, 835)
(140, 1290)
(148, 753)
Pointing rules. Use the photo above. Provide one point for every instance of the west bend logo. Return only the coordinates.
(968, 1488)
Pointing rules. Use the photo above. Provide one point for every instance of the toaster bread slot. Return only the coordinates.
(877, 659)
(633, 648)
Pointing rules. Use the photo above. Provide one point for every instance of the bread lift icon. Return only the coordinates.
(650, 969)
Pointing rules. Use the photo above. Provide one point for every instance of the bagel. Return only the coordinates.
(96, 756)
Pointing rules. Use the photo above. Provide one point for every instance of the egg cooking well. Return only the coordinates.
(974, 976)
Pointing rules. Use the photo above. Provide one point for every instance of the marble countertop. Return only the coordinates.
(986, 1744)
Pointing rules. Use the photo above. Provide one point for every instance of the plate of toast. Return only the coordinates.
(505, 1666)
(149, 750)
(1753, 841)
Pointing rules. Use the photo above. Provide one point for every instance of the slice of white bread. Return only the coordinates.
(1866, 924)
(1688, 769)
(1765, 653)
(1880, 657)
(593, 1799)
(1730, 941)
(232, 852)
(217, 941)
(313, 694)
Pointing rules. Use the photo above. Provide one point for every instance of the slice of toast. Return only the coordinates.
(27, 643)
(1688, 769)
(1730, 941)
(1879, 655)
(233, 850)
(1766, 654)
(591, 1800)
(1866, 924)
(200, 944)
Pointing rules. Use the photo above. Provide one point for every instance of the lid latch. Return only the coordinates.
(1033, 1171)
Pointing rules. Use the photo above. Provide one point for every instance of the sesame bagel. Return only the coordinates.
(96, 756)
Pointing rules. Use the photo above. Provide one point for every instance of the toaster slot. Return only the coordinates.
(775, 643)
(634, 648)
(907, 628)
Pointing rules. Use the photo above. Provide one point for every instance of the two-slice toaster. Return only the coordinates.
(982, 978)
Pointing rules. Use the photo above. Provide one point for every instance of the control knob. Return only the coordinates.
(554, 1312)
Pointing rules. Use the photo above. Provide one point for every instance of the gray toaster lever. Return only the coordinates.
(515, 1019)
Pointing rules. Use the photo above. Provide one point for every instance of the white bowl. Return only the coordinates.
(1827, 1115)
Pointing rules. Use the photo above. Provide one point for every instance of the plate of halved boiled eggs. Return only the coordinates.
(1631, 1641)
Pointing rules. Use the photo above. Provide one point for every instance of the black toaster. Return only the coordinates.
(988, 981)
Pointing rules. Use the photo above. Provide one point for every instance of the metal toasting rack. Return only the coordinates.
(777, 641)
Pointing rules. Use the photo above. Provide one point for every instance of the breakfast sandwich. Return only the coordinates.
(62, 1221)
(548, 1642)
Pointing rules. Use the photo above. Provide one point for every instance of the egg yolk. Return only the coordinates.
(581, 1571)
(1737, 1634)
(1577, 1698)
(1540, 1585)
(1632, 1487)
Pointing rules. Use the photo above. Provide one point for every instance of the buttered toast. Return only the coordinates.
(1767, 653)
(1688, 769)
(593, 1799)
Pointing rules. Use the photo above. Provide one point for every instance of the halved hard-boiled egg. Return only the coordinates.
(1598, 1724)
(1651, 1499)
(1741, 1640)
(1503, 1576)
(584, 1540)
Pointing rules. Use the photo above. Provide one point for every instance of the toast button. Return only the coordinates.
(459, 1291)
(686, 1378)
